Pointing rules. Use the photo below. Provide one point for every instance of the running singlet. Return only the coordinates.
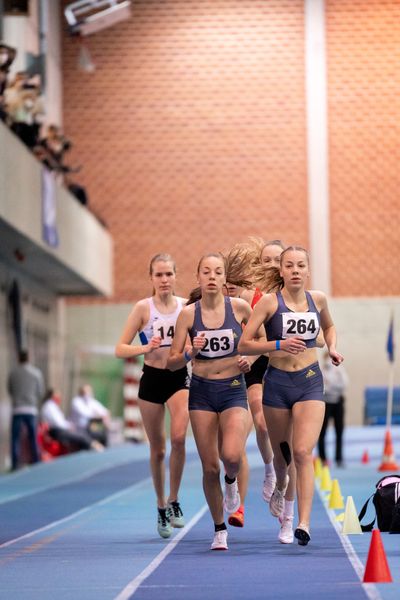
(286, 323)
(160, 324)
(257, 296)
(222, 342)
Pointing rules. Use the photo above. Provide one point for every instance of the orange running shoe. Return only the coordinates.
(236, 519)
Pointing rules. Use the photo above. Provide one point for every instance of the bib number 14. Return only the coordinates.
(165, 330)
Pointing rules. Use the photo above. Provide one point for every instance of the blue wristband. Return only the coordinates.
(187, 356)
(278, 345)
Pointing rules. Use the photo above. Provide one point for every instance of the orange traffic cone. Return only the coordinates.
(388, 459)
(365, 457)
(377, 568)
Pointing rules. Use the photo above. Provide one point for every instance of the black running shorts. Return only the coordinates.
(257, 371)
(158, 385)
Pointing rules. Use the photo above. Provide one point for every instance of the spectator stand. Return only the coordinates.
(375, 401)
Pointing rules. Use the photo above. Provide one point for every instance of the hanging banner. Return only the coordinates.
(49, 214)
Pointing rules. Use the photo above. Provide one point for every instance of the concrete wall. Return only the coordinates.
(43, 337)
(85, 246)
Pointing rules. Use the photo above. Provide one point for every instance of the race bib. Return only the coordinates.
(304, 325)
(165, 329)
(218, 343)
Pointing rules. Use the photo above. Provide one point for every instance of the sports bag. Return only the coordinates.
(386, 500)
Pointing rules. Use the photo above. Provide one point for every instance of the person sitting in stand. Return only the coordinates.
(62, 430)
(89, 415)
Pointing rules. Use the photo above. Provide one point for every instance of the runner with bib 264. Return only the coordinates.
(293, 388)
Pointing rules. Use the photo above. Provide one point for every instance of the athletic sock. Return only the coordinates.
(288, 510)
(269, 468)
(220, 527)
(229, 480)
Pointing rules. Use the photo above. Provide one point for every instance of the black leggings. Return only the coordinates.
(336, 412)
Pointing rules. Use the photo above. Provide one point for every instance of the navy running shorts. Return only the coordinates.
(282, 389)
(216, 395)
(158, 385)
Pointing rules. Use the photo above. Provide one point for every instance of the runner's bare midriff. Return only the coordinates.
(295, 362)
(158, 358)
(218, 368)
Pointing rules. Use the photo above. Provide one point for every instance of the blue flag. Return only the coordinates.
(390, 342)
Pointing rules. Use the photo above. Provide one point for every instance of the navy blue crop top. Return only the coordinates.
(286, 323)
(221, 342)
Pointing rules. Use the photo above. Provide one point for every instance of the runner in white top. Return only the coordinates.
(154, 320)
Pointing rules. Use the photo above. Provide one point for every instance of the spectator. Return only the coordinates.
(62, 430)
(76, 190)
(335, 384)
(89, 415)
(26, 388)
(56, 145)
(25, 108)
(7, 55)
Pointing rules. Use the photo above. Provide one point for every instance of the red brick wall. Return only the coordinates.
(363, 42)
(192, 134)
(192, 130)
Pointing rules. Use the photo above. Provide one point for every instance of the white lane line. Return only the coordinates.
(369, 588)
(133, 585)
(78, 513)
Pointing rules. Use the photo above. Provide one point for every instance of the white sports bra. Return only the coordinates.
(161, 324)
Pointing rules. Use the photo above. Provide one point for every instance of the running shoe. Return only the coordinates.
(302, 535)
(269, 486)
(175, 515)
(232, 497)
(277, 501)
(286, 531)
(220, 541)
(237, 518)
(163, 525)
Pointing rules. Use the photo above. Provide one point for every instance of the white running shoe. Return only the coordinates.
(163, 524)
(220, 541)
(277, 501)
(269, 486)
(175, 514)
(286, 535)
(232, 497)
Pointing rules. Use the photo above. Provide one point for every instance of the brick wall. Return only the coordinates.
(192, 134)
(364, 110)
(192, 130)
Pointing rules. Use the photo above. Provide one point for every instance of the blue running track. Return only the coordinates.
(83, 527)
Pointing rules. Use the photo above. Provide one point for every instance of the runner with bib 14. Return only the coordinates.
(293, 388)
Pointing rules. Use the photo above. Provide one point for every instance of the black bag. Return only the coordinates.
(386, 500)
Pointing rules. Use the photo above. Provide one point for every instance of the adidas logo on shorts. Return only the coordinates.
(310, 373)
(235, 382)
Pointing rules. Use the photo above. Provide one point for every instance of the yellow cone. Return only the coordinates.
(326, 481)
(335, 499)
(351, 524)
(318, 468)
(339, 517)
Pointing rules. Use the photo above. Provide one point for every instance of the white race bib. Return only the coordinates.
(218, 343)
(304, 325)
(165, 329)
